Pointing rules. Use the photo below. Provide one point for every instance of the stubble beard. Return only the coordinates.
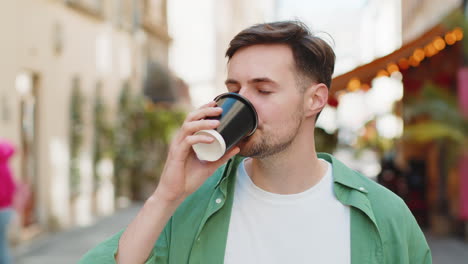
(269, 144)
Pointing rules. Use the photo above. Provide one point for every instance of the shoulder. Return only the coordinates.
(384, 204)
(390, 211)
(397, 226)
(383, 201)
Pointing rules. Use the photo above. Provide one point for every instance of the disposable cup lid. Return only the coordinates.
(212, 151)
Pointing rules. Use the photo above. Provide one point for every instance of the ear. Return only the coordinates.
(316, 97)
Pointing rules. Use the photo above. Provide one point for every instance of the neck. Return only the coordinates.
(294, 170)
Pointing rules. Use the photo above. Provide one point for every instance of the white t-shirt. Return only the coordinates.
(308, 227)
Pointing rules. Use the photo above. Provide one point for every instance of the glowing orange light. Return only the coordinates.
(403, 63)
(392, 67)
(354, 84)
(439, 43)
(430, 50)
(418, 54)
(458, 32)
(365, 87)
(413, 62)
(450, 38)
(382, 73)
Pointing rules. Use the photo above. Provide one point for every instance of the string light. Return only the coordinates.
(450, 38)
(458, 32)
(419, 54)
(365, 87)
(392, 67)
(354, 84)
(430, 50)
(413, 61)
(382, 73)
(403, 63)
(439, 43)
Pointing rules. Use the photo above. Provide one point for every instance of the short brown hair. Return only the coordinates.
(313, 57)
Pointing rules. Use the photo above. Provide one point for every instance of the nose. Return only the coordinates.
(249, 94)
(245, 93)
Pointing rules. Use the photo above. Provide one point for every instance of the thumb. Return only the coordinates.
(231, 153)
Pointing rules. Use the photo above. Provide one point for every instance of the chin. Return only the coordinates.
(245, 145)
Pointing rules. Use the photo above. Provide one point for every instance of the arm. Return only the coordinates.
(137, 241)
(182, 175)
(418, 249)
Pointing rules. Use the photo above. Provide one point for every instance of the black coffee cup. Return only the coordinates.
(238, 120)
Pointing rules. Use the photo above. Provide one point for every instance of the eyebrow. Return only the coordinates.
(255, 80)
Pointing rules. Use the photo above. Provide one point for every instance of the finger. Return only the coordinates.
(203, 113)
(210, 104)
(231, 153)
(185, 147)
(208, 109)
(190, 128)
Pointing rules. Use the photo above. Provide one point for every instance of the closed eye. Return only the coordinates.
(264, 92)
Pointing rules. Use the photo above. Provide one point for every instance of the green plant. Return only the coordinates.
(325, 142)
(76, 135)
(123, 142)
(434, 116)
(143, 133)
(103, 134)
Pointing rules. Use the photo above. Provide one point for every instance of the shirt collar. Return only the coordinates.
(340, 172)
(350, 187)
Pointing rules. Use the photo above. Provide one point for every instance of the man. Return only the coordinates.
(281, 204)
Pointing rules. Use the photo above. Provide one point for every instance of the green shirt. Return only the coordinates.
(383, 230)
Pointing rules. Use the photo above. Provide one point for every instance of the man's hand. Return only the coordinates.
(183, 172)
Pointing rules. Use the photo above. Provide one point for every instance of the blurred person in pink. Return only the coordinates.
(7, 191)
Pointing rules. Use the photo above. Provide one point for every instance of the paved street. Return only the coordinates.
(68, 247)
(448, 251)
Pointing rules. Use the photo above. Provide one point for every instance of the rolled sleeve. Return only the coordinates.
(105, 252)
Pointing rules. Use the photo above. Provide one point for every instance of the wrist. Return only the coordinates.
(166, 199)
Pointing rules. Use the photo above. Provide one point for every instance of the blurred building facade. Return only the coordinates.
(201, 38)
(423, 164)
(51, 49)
(232, 16)
(418, 16)
(434, 190)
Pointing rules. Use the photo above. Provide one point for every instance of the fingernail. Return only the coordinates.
(214, 122)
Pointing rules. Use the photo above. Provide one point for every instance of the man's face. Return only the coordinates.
(265, 74)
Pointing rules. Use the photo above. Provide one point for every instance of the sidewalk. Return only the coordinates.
(448, 250)
(69, 246)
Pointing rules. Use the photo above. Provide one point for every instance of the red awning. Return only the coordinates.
(367, 72)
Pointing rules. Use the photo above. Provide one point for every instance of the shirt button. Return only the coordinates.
(362, 189)
(218, 200)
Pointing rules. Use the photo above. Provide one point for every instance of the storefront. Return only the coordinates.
(426, 168)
